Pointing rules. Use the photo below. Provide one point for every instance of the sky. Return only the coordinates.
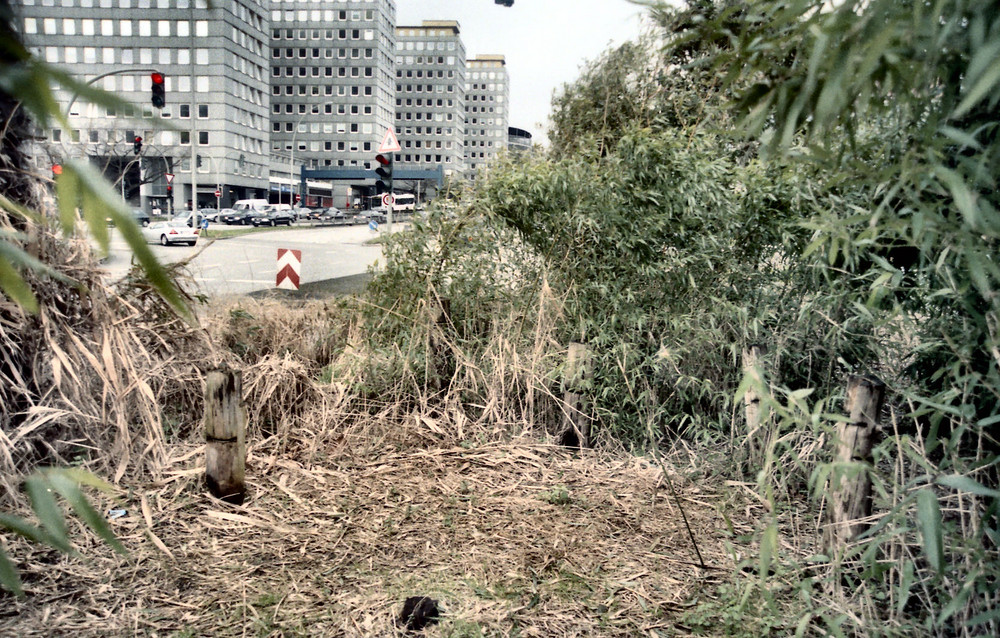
(546, 42)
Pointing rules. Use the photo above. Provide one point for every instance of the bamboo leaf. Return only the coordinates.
(48, 512)
(70, 490)
(8, 575)
(68, 196)
(929, 516)
(966, 484)
(13, 285)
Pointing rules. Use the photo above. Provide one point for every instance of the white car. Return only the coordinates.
(172, 232)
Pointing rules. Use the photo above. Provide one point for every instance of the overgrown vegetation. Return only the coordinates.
(818, 179)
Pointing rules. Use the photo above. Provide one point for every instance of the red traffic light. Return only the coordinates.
(138, 140)
(384, 160)
(158, 95)
(57, 169)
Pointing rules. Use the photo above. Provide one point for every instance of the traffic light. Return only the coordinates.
(170, 190)
(137, 145)
(159, 95)
(384, 171)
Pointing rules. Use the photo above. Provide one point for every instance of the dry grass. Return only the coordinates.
(513, 538)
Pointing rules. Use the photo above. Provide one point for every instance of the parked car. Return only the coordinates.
(378, 215)
(231, 216)
(140, 216)
(274, 218)
(248, 216)
(211, 214)
(302, 213)
(172, 232)
(336, 216)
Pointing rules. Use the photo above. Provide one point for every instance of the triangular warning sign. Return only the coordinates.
(389, 144)
(170, 178)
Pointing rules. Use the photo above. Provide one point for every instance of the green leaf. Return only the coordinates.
(48, 512)
(13, 285)
(68, 196)
(985, 59)
(100, 195)
(983, 618)
(70, 490)
(929, 515)
(23, 528)
(966, 484)
(768, 546)
(8, 575)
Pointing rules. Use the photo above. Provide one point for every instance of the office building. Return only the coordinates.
(430, 96)
(215, 61)
(332, 89)
(487, 97)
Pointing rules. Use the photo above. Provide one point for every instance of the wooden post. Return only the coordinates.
(225, 433)
(851, 487)
(442, 367)
(756, 442)
(576, 418)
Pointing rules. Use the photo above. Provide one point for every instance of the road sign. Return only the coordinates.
(218, 193)
(388, 199)
(372, 224)
(389, 143)
(289, 262)
(170, 178)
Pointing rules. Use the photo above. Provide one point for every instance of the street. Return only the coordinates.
(245, 264)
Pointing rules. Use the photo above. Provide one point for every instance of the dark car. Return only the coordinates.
(140, 216)
(230, 216)
(274, 218)
(249, 216)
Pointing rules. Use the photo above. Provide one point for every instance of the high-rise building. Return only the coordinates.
(332, 86)
(430, 96)
(216, 108)
(487, 98)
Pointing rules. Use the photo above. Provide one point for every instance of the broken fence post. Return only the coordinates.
(225, 434)
(850, 482)
(576, 418)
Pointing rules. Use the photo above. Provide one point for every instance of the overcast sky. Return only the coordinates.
(546, 42)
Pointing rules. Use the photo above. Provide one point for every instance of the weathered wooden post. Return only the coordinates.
(442, 366)
(576, 418)
(850, 483)
(225, 433)
(756, 443)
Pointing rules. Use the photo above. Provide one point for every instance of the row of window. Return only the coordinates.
(421, 45)
(427, 144)
(316, 16)
(425, 103)
(485, 87)
(342, 109)
(317, 53)
(314, 89)
(410, 73)
(483, 109)
(409, 60)
(125, 28)
(129, 4)
(314, 71)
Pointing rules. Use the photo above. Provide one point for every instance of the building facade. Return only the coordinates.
(487, 98)
(216, 116)
(332, 88)
(430, 96)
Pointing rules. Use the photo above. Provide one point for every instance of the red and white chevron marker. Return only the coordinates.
(289, 262)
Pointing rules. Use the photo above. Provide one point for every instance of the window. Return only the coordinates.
(185, 110)
(203, 138)
(202, 111)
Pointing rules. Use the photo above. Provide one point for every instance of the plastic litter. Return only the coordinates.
(115, 513)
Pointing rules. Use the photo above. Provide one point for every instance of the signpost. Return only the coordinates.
(390, 144)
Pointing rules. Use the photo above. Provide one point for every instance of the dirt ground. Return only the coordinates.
(514, 539)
